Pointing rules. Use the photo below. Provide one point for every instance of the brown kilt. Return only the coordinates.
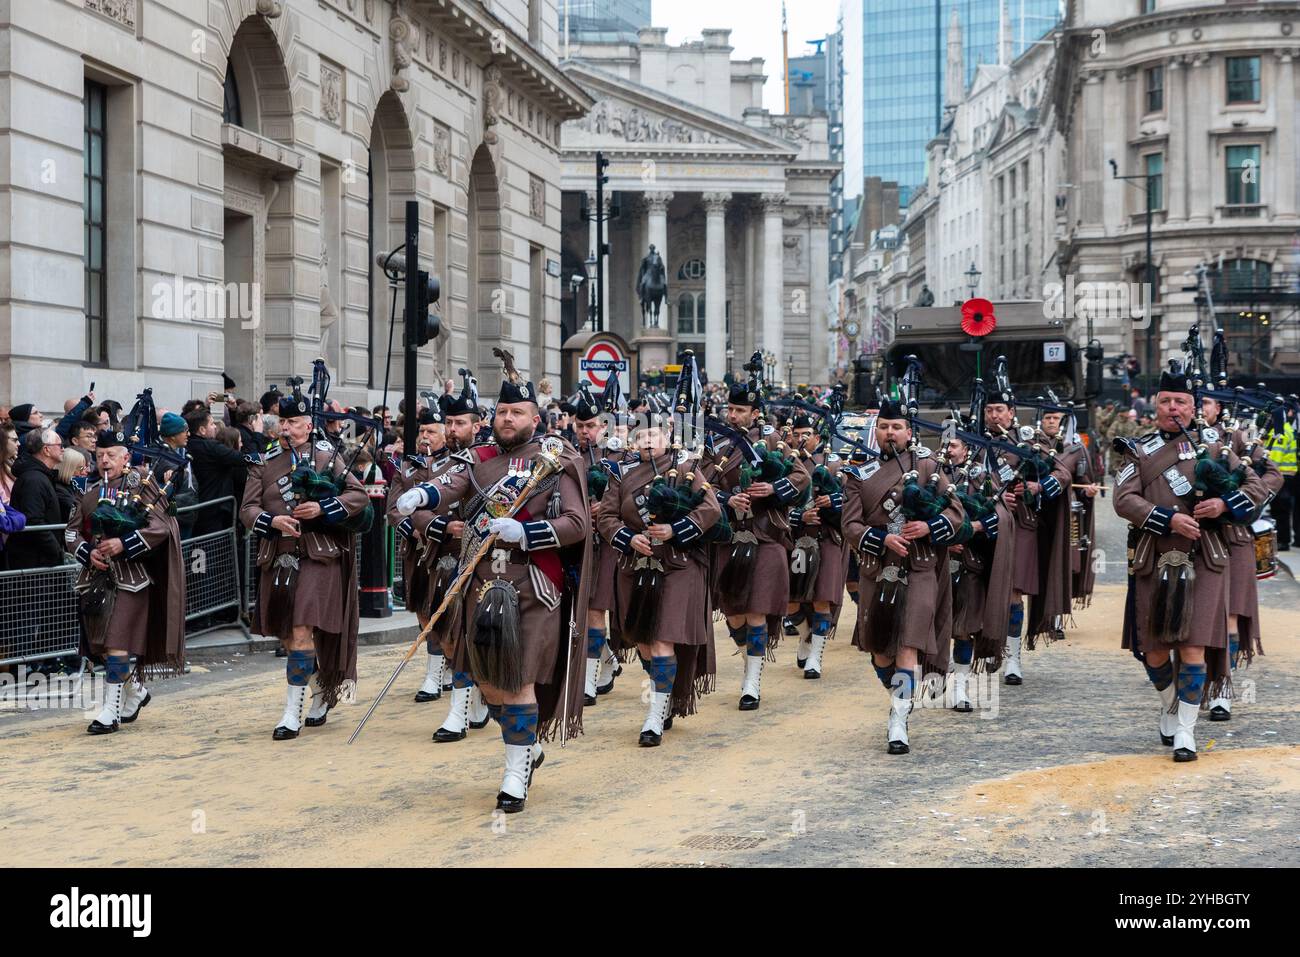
(968, 599)
(832, 572)
(923, 601)
(128, 627)
(769, 590)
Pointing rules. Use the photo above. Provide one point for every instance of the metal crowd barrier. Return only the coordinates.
(38, 608)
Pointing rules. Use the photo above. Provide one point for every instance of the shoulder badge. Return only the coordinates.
(324, 446)
(768, 430)
(922, 452)
(1150, 444)
(1209, 434)
(832, 457)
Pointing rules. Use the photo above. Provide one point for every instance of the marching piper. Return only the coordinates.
(1243, 591)
(604, 455)
(656, 513)
(425, 547)
(1177, 495)
(819, 561)
(753, 584)
(305, 507)
(131, 588)
(524, 597)
(899, 516)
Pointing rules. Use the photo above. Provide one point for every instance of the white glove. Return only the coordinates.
(412, 499)
(507, 529)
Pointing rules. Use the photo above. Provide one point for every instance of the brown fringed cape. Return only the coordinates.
(150, 623)
(1054, 558)
(991, 639)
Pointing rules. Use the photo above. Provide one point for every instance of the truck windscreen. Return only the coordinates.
(948, 370)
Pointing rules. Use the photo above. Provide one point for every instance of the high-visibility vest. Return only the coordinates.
(1282, 450)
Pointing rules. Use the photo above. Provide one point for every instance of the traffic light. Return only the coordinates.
(423, 327)
(1095, 356)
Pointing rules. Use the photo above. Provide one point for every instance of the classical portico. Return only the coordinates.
(737, 208)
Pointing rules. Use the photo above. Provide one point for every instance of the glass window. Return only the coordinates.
(1243, 79)
(1155, 89)
(1243, 175)
(699, 315)
(685, 314)
(96, 276)
(1148, 6)
(1155, 170)
(230, 111)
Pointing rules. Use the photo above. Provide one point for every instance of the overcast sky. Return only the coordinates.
(755, 30)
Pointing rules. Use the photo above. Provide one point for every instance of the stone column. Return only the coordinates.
(715, 285)
(1284, 202)
(819, 218)
(656, 206)
(773, 259)
(1201, 189)
(1176, 145)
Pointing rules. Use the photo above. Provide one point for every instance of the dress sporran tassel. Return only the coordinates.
(805, 562)
(738, 574)
(496, 654)
(97, 601)
(642, 625)
(1171, 615)
(279, 607)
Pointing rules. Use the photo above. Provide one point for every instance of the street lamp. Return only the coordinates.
(731, 354)
(789, 373)
(1151, 277)
(973, 279)
(591, 291)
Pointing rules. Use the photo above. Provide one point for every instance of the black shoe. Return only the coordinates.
(447, 686)
(443, 736)
(283, 734)
(1014, 680)
(649, 739)
(588, 700)
(97, 728)
(1284, 548)
(422, 696)
(963, 706)
(1183, 754)
(480, 724)
(509, 803)
(280, 652)
(800, 662)
(748, 703)
(813, 675)
(148, 696)
(791, 628)
(1058, 634)
(1167, 740)
(316, 722)
(1217, 713)
(606, 689)
(898, 747)
(668, 723)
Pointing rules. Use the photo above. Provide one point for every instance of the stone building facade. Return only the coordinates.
(734, 198)
(1201, 98)
(198, 186)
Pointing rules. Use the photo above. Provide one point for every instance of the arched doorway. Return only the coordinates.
(392, 183)
(257, 106)
(488, 306)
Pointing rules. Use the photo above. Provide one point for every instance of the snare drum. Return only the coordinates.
(1265, 532)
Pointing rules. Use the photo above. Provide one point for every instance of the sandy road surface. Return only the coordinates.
(1064, 769)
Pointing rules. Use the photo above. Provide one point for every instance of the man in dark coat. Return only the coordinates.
(36, 473)
(218, 469)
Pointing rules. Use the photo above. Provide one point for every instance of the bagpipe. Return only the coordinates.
(310, 484)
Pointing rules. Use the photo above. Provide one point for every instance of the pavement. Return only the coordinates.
(1066, 769)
